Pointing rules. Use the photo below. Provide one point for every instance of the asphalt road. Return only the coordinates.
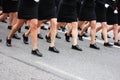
(17, 63)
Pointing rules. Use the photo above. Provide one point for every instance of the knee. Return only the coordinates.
(53, 24)
(104, 25)
(93, 25)
(33, 24)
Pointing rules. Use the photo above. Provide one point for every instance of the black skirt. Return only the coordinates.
(101, 13)
(119, 17)
(67, 11)
(0, 3)
(9, 6)
(112, 18)
(28, 9)
(88, 11)
(47, 9)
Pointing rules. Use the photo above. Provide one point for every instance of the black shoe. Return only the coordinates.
(94, 46)
(4, 21)
(0, 40)
(9, 27)
(15, 36)
(53, 49)
(108, 36)
(76, 47)
(116, 43)
(40, 36)
(86, 31)
(80, 37)
(63, 29)
(96, 36)
(36, 52)
(85, 35)
(108, 44)
(19, 30)
(48, 39)
(67, 38)
(43, 28)
(27, 27)
(49, 27)
(25, 39)
(102, 36)
(58, 36)
(8, 42)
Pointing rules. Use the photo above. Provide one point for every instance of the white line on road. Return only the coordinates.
(71, 76)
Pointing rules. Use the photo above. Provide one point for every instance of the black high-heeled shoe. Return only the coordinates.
(54, 49)
(25, 39)
(8, 42)
(36, 52)
(67, 38)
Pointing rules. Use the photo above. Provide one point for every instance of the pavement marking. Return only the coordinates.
(59, 71)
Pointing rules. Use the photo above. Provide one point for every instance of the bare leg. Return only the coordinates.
(84, 27)
(3, 16)
(74, 32)
(53, 31)
(104, 31)
(115, 32)
(19, 24)
(93, 31)
(33, 31)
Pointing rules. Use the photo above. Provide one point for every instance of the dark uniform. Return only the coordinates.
(0, 3)
(28, 9)
(101, 11)
(68, 11)
(112, 18)
(47, 9)
(118, 6)
(88, 11)
(9, 6)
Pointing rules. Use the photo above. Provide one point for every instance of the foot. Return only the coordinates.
(15, 36)
(25, 39)
(67, 38)
(27, 27)
(53, 49)
(8, 42)
(94, 46)
(36, 52)
(85, 35)
(116, 43)
(40, 36)
(76, 47)
(47, 39)
(108, 36)
(19, 30)
(80, 38)
(9, 27)
(114, 39)
(63, 29)
(4, 21)
(108, 44)
(58, 36)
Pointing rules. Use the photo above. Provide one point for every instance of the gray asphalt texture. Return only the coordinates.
(17, 62)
